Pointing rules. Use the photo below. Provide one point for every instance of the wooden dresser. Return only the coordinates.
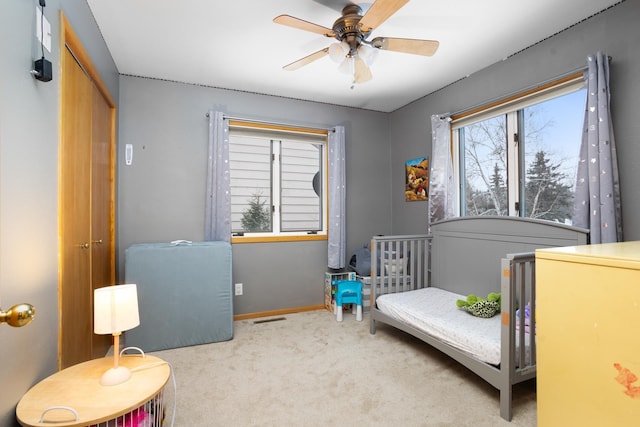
(588, 318)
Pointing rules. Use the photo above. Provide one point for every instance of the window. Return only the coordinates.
(277, 182)
(520, 157)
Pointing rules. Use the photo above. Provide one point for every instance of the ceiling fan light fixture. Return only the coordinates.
(368, 54)
(347, 66)
(353, 51)
(338, 51)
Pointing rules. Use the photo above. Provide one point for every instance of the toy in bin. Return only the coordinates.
(136, 418)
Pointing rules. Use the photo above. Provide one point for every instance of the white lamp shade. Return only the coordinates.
(337, 51)
(367, 53)
(115, 309)
(347, 66)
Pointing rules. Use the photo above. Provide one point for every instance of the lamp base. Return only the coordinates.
(115, 376)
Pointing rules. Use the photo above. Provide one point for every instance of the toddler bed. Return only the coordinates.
(416, 280)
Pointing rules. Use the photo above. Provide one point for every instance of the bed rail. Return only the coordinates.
(400, 263)
(518, 329)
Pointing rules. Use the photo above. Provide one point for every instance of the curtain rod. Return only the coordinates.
(514, 93)
(271, 122)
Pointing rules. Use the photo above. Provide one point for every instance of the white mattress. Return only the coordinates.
(434, 311)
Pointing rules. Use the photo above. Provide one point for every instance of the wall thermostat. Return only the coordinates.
(128, 154)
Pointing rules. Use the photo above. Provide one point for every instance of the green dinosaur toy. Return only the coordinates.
(481, 307)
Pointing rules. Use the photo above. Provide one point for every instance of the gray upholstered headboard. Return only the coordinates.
(466, 252)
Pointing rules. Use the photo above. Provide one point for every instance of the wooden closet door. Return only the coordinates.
(75, 215)
(102, 206)
(87, 206)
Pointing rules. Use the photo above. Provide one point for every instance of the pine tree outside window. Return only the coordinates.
(520, 157)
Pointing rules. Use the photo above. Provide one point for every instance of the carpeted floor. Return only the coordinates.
(306, 369)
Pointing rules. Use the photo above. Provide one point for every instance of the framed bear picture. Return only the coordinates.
(417, 180)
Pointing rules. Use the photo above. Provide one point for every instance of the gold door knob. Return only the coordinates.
(84, 246)
(99, 242)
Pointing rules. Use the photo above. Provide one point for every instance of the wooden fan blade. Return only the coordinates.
(306, 60)
(362, 73)
(379, 12)
(303, 25)
(413, 46)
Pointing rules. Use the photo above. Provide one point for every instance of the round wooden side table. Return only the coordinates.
(78, 399)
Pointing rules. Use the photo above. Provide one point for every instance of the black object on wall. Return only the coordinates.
(42, 69)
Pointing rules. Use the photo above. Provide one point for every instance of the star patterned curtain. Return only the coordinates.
(597, 204)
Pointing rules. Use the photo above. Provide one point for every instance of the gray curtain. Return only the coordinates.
(218, 202)
(337, 199)
(597, 204)
(443, 193)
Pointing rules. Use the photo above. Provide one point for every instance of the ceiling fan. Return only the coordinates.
(354, 51)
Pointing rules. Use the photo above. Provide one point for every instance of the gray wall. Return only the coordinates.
(161, 195)
(615, 32)
(29, 116)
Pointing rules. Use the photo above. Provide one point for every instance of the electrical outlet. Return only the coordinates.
(238, 289)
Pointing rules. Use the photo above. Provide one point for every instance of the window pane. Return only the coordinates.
(277, 184)
(552, 136)
(483, 148)
(301, 207)
(250, 164)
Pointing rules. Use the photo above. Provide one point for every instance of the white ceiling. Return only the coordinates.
(236, 45)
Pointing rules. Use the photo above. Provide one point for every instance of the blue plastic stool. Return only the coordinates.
(348, 291)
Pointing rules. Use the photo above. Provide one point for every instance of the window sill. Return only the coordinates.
(281, 238)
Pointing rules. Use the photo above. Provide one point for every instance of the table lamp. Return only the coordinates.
(115, 311)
